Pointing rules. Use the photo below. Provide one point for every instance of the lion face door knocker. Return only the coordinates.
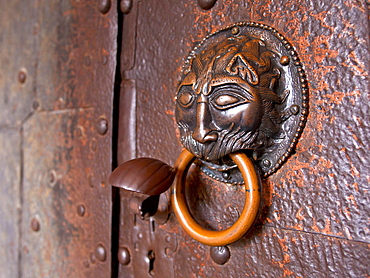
(241, 105)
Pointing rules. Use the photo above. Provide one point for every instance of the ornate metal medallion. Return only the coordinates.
(244, 89)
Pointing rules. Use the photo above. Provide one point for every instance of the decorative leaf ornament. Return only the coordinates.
(144, 175)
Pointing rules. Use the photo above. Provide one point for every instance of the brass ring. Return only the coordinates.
(247, 217)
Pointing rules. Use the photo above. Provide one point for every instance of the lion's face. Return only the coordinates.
(218, 123)
(221, 99)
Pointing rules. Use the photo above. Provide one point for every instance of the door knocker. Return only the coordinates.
(241, 106)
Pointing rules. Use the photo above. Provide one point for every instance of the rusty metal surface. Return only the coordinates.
(10, 177)
(129, 37)
(74, 46)
(314, 222)
(57, 78)
(66, 168)
(324, 187)
(17, 79)
(73, 210)
(273, 252)
(150, 245)
(127, 114)
(18, 57)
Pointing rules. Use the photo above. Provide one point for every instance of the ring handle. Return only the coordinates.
(247, 217)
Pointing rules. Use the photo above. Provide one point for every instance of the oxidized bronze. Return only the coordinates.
(247, 216)
(144, 175)
(243, 88)
(238, 98)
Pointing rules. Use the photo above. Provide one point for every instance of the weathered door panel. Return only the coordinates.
(314, 219)
(65, 166)
(16, 103)
(58, 67)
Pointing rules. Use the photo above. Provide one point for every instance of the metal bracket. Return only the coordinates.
(150, 247)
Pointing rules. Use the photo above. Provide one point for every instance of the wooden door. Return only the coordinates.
(314, 220)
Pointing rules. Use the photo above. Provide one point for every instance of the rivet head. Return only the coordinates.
(167, 238)
(124, 256)
(104, 59)
(22, 76)
(91, 180)
(52, 177)
(61, 104)
(35, 225)
(266, 163)
(126, 6)
(104, 6)
(92, 258)
(284, 60)
(93, 145)
(206, 4)
(100, 253)
(220, 254)
(35, 104)
(235, 30)
(294, 109)
(226, 175)
(102, 126)
(81, 210)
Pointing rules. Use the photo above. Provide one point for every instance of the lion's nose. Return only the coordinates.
(203, 132)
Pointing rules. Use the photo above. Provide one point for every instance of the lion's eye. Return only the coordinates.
(225, 100)
(185, 99)
(186, 96)
(228, 99)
